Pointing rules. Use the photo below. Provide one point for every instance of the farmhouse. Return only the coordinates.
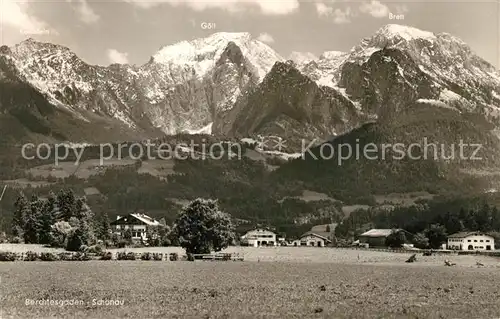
(259, 237)
(377, 237)
(137, 223)
(470, 241)
(313, 239)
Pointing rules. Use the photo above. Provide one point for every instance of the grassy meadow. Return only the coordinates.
(271, 283)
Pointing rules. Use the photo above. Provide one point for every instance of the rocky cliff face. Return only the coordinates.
(232, 84)
(289, 104)
(181, 88)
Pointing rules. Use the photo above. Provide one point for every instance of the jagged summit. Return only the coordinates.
(328, 55)
(202, 54)
(302, 57)
(407, 33)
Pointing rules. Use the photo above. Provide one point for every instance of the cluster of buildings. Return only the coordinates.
(318, 236)
(471, 241)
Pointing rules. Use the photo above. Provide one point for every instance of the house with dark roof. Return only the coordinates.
(470, 241)
(138, 223)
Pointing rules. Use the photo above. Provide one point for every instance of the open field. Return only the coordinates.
(304, 255)
(83, 170)
(285, 284)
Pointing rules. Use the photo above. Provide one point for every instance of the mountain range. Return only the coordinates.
(230, 84)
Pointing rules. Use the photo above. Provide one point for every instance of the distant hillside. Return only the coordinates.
(386, 174)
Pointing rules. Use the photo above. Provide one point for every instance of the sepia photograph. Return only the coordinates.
(249, 159)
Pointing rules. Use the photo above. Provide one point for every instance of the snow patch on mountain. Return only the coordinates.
(326, 70)
(204, 130)
(344, 94)
(437, 103)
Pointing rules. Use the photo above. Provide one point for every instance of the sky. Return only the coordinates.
(131, 31)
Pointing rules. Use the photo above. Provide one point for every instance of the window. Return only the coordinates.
(481, 240)
(475, 240)
(487, 240)
(468, 240)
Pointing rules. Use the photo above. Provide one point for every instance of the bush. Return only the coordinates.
(125, 256)
(65, 256)
(174, 256)
(79, 256)
(95, 249)
(146, 256)
(16, 240)
(7, 256)
(31, 256)
(48, 257)
(190, 257)
(108, 243)
(157, 256)
(106, 255)
(121, 243)
(74, 242)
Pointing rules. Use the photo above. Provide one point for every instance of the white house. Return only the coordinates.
(259, 237)
(471, 241)
(137, 223)
(313, 239)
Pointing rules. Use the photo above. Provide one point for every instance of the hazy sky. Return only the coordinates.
(130, 31)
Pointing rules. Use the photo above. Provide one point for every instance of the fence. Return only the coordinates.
(107, 255)
(220, 256)
(417, 251)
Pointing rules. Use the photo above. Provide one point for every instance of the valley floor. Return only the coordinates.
(377, 285)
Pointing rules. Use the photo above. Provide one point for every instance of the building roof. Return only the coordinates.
(379, 232)
(310, 233)
(465, 234)
(142, 218)
(258, 230)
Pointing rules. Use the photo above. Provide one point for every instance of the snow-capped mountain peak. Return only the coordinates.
(202, 54)
(302, 57)
(329, 55)
(391, 31)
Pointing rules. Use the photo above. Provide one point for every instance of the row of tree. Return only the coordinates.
(429, 222)
(65, 220)
(58, 220)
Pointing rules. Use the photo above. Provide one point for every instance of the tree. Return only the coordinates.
(67, 204)
(202, 228)
(85, 221)
(396, 239)
(103, 230)
(32, 222)
(48, 218)
(436, 234)
(21, 211)
(60, 233)
(483, 218)
(420, 241)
